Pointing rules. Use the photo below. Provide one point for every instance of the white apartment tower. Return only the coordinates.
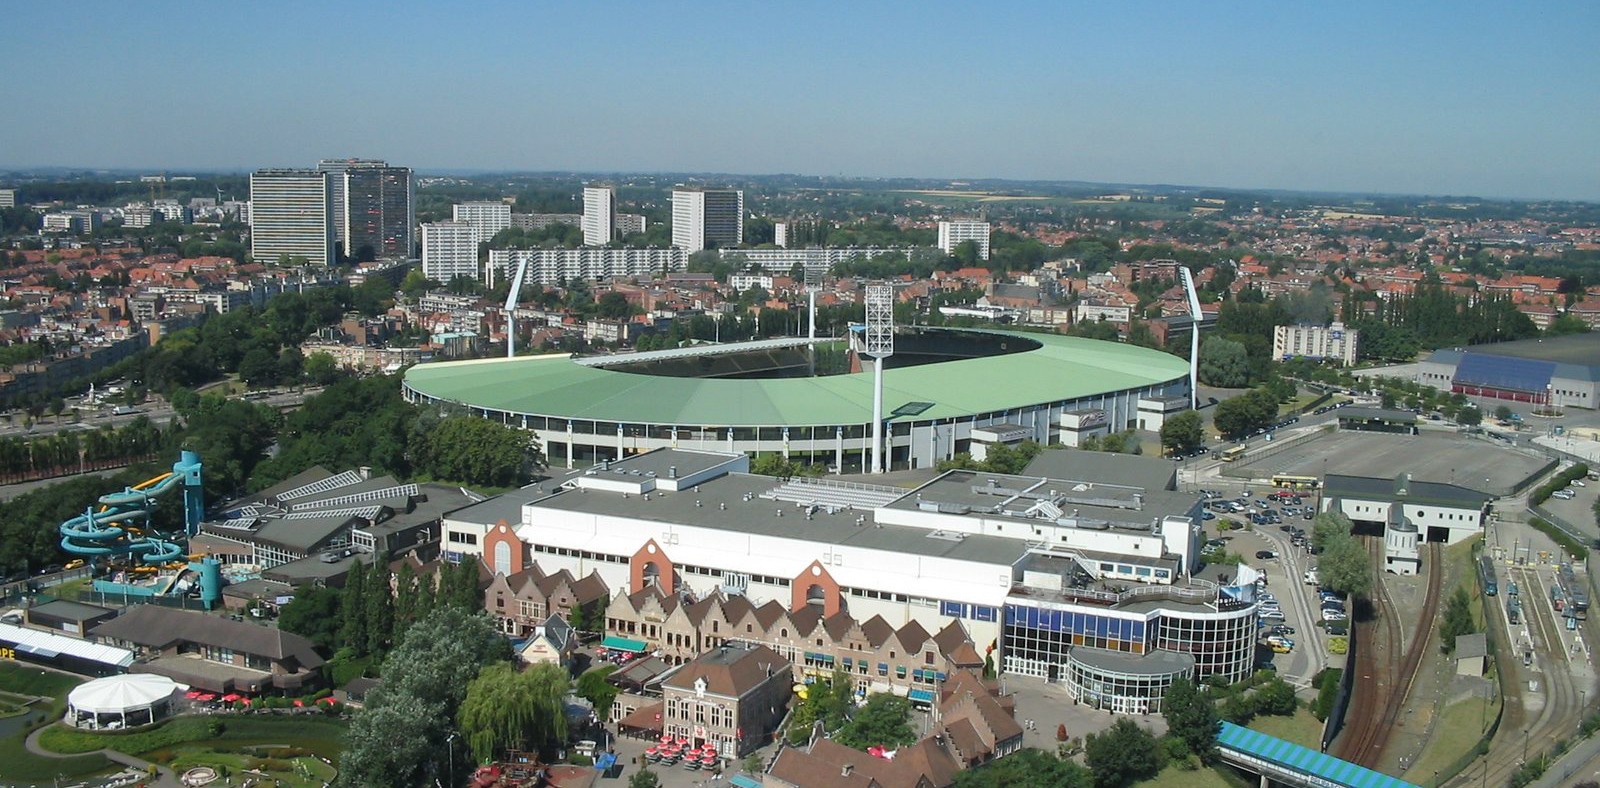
(952, 234)
(1318, 342)
(486, 218)
(8, 198)
(707, 218)
(449, 250)
(291, 215)
(599, 215)
(780, 234)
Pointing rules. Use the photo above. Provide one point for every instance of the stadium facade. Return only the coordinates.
(763, 396)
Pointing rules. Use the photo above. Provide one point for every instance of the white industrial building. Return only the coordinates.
(1024, 560)
(1408, 513)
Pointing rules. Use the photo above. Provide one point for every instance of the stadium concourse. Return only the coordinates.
(939, 387)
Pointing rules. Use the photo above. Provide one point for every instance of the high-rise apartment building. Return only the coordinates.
(707, 218)
(953, 234)
(449, 250)
(599, 215)
(630, 224)
(486, 218)
(8, 198)
(373, 214)
(291, 215)
(780, 234)
(1318, 342)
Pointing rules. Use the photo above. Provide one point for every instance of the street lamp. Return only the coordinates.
(449, 744)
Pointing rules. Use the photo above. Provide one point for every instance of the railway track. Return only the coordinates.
(1384, 672)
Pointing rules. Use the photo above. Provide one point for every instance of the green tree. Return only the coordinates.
(259, 367)
(1027, 768)
(644, 778)
(353, 613)
(1276, 698)
(1567, 323)
(593, 687)
(1502, 412)
(1192, 717)
(478, 452)
(505, 709)
(1122, 754)
(399, 738)
(314, 614)
(321, 369)
(1457, 619)
(1183, 433)
(1224, 363)
(1344, 566)
(884, 720)
(1469, 417)
(377, 606)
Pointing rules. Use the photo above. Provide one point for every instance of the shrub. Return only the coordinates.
(1338, 645)
(1573, 547)
(1327, 690)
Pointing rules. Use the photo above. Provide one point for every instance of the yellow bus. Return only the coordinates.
(1295, 482)
(1233, 454)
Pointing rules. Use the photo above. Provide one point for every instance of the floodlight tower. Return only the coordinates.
(813, 279)
(1194, 336)
(880, 346)
(511, 307)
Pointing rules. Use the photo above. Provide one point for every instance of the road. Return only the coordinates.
(160, 413)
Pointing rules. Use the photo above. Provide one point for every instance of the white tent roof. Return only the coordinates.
(115, 694)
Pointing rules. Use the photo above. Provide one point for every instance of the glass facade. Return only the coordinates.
(1038, 640)
(1122, 691)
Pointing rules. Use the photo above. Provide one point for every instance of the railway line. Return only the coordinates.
(1385, 672)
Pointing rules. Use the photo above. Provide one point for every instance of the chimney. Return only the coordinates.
(672, 472)
(845, 770)
(365, 471)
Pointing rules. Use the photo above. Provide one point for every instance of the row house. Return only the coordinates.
(878, 657)
(522, 602)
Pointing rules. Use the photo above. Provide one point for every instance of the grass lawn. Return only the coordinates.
(16, 763)
(1174, 777)
(1460, 724)
(297, 772)
(1303, 728)
(165, 741)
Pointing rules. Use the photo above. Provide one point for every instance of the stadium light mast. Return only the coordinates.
(880, 346)
(1194, 336)
(511, 307)
(813, 282)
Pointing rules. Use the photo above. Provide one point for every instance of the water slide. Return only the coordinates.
(119, 527)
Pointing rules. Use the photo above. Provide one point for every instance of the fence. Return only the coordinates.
(1241, 469)
(15, 593)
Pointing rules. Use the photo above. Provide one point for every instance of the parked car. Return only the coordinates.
(1334, 615)
(1265, 555)
(1273, 614)
(1283, 629)
(1335, 628)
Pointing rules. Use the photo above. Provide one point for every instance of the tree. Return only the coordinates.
(1192, 717)
(644, 778)
(1122, 754)
(1469, 417)
(399, 738)
(1276, 698)
(477, 451)
(1344, 566)
(1224, 363)
(321, 369)
(353, 614)
(1567, 323)
(1457, 619)
(259, 367)
(314, 614)
(505, 709)
(1028, 768)
(884, 720)
(377, 608)
(1183, 433)
(593, 687)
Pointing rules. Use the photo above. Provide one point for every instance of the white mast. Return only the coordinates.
(1194, 337)
(511, 307)
(880, 345)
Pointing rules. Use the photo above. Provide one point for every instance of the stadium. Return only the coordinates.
(808, 399)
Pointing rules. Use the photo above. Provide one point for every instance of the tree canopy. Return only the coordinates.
(506, 709)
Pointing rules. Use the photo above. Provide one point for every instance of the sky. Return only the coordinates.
(1490, 99)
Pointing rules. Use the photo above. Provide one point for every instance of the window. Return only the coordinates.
(502, 557)
(952, 609)
(883, 668)
(900, 671)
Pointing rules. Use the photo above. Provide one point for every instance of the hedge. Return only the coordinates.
(1573, 547)
(1560, 482)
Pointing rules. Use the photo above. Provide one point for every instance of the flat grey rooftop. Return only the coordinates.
(662, 463)
(720, 504)
(1431, 457)
(1155, 663)
(67, 610)
(1100, 499)
(1135, 471)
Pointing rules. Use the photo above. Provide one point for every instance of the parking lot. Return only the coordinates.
(1431, 456)
(1579, 510)
(1296, 602)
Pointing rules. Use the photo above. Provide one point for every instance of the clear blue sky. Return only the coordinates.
(1482, 98)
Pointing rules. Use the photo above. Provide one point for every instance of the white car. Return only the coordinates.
(1274, 614)
(1334, 615)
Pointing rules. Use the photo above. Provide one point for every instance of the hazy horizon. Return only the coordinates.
(1469, 99)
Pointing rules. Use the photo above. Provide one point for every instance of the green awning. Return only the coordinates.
(624, 644)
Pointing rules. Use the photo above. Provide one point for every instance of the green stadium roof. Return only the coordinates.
(1063, 368)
